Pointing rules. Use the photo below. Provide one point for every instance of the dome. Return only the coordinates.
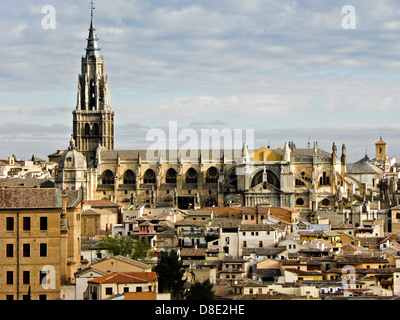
(72, 159)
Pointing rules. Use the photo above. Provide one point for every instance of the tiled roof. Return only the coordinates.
(263, 251)
(304, 273)
(22, 183)
(140, 296)
(256, 227)
(29, 198)
(126, 277)
(199, 252)
(226, 222)
(97, 212)
(361, 259)
(101, 203)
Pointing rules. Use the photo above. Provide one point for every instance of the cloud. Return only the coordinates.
(282, 66)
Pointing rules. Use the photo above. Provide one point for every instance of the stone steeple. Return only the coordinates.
(93, 119)
(92, 49)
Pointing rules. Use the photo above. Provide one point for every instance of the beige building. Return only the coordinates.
(120, 283)
(39, 242)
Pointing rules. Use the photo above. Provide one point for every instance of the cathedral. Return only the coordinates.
(307, 179)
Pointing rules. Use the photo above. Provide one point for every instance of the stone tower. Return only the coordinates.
(93, 119)
(381, 150)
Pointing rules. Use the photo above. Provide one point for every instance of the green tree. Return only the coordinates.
(141, 250)
(201, 291)
(117, 246)
(170, 273)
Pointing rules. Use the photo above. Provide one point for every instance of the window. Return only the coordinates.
(9, 250)
(26, 250)
(42, 297)
(95, 129)
(43, 223)
(26, 277)
(212, 175)
(325, 202)
(138, 289)
(244, 244)
(149, 177)
(191, 176)
(300, 202)
(108, 177)
(10, 223)
(9, 277)
(26, 223)
(126, 289)
(42, 277)
(260, 244)
(171, 176)
(129, 177)
(87, 129)
(109, 291)
(324, 180)
(43, 249)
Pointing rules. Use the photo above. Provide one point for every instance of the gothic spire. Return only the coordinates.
(92, 49)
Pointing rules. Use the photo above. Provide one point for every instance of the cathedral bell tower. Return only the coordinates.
(93, 120)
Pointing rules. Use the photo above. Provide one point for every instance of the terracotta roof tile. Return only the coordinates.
(126, 277)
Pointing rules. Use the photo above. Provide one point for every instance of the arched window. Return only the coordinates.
(231, 181)
(149, 177)
(210, 202)
(107, 177)
(324, 180)
(92, 100)
(87, 129)
(325, 202)
(96, 129)
(171, 176)
(191, 176)
(212, 175)
(129, 177)
(169, 200)
(272, 179)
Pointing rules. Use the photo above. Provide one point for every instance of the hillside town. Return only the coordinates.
(259, 252)
(286, 223)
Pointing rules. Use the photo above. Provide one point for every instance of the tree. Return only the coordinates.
(117, 246)
(141, 250)
(170, 273)
(201, 291)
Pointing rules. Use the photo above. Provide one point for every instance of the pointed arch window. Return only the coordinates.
(191, 176)
(129, 177)
(108, 177)
(324, 180)
(212, 175)
(87, 129)
(149, 177)
(96, 129)
(171, 176)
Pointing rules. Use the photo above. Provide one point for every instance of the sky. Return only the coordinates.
(297, 70)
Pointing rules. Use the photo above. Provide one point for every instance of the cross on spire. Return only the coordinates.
(92, 8)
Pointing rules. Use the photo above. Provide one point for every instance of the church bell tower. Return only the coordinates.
(93, 119)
